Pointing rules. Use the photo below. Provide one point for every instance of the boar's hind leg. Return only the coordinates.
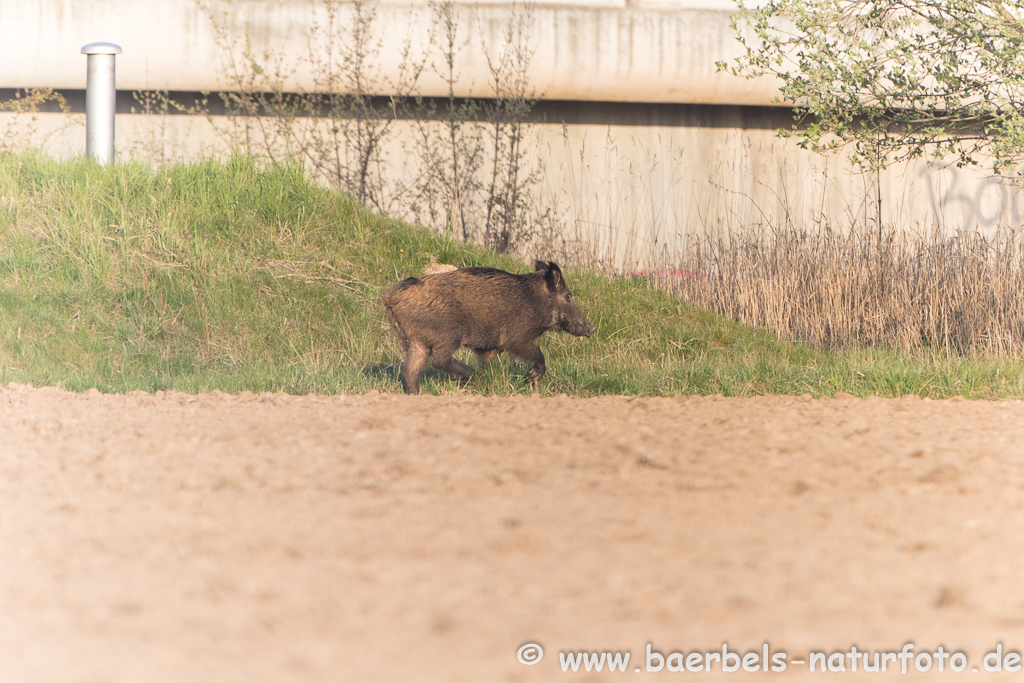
(443, 361)
(416, 354)
(486, 355)
(531, 353)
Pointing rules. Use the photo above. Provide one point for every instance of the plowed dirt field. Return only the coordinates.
(175, 537)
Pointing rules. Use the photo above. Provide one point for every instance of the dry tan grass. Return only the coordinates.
(958, 293)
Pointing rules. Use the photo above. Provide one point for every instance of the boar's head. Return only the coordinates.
(565, 315)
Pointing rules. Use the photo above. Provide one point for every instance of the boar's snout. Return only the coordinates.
(575, 323)
(583, 328)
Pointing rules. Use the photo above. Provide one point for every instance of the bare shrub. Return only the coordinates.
(512, 179)
(158, 141)
(259, 112)
(472, 174)
(348, 151)
(449, 143)
(340, 125)
(479, 179)
(22, 129)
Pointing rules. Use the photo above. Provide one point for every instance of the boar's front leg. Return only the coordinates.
(531, 353)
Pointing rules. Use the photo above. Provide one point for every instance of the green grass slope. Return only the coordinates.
(224, 275)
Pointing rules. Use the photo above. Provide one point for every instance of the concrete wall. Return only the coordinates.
(594, 50)
(643, 144)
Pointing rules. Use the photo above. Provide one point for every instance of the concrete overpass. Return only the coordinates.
(644, 142)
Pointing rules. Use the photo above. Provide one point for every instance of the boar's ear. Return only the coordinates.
(553, 277)
(540, 265)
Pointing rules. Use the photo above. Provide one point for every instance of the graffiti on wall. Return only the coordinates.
(960, 199)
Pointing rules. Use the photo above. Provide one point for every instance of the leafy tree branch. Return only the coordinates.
(896, 80)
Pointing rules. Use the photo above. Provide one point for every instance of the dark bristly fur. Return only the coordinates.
(485, 309)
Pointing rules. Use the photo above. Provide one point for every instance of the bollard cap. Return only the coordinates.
(101, 49)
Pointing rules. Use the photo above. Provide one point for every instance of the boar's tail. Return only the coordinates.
(396, 327)
(391, 298)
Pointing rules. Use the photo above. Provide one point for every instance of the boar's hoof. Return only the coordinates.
(536, 373)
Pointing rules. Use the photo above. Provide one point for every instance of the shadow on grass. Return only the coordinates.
(382, 371)
(387, 375)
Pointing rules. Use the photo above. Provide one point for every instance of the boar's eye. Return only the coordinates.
(568, 297)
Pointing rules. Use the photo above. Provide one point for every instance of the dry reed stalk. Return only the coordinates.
(958, 294)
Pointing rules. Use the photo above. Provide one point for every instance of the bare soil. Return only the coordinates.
(391, 538)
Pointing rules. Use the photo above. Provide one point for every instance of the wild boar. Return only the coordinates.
(484, 309)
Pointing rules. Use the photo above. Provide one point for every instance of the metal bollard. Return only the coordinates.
(100, 97)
